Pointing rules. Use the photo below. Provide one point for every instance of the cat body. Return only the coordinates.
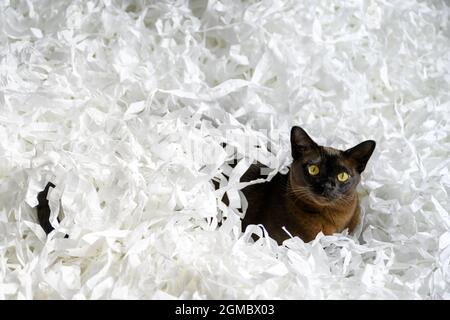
(306, 201)
(271, 205)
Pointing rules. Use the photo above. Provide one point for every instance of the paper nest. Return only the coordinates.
(106, 99)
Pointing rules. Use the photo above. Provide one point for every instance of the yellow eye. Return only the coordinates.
(342, 177)
(313, 170)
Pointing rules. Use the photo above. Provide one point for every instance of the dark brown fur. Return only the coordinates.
(43, 210)
(289, 200)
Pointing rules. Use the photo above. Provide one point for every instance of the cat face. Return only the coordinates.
(324, 175)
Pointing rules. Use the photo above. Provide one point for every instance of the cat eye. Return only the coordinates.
(342, 177)
(313, 170)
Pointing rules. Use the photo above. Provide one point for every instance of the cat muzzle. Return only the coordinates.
(329, 191)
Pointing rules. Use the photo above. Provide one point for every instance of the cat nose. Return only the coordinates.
(329, 190)
(329, 185)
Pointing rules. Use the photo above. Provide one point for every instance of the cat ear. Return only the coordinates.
(361, 153)
(300, 141)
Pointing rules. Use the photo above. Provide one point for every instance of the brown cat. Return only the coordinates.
(318, 193)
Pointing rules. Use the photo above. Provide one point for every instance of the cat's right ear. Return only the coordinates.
(361, 153)
(300, 141)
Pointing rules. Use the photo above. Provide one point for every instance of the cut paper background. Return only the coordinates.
(125, 106)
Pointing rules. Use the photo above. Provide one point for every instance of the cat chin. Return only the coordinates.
(320, 201)
(324, 201)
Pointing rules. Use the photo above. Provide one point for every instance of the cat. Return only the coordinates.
(318, 193)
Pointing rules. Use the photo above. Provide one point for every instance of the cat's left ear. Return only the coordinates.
(361, 153)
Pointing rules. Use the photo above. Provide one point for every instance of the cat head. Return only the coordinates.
(324, 175)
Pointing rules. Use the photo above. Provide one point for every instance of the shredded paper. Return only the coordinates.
(133, 108)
